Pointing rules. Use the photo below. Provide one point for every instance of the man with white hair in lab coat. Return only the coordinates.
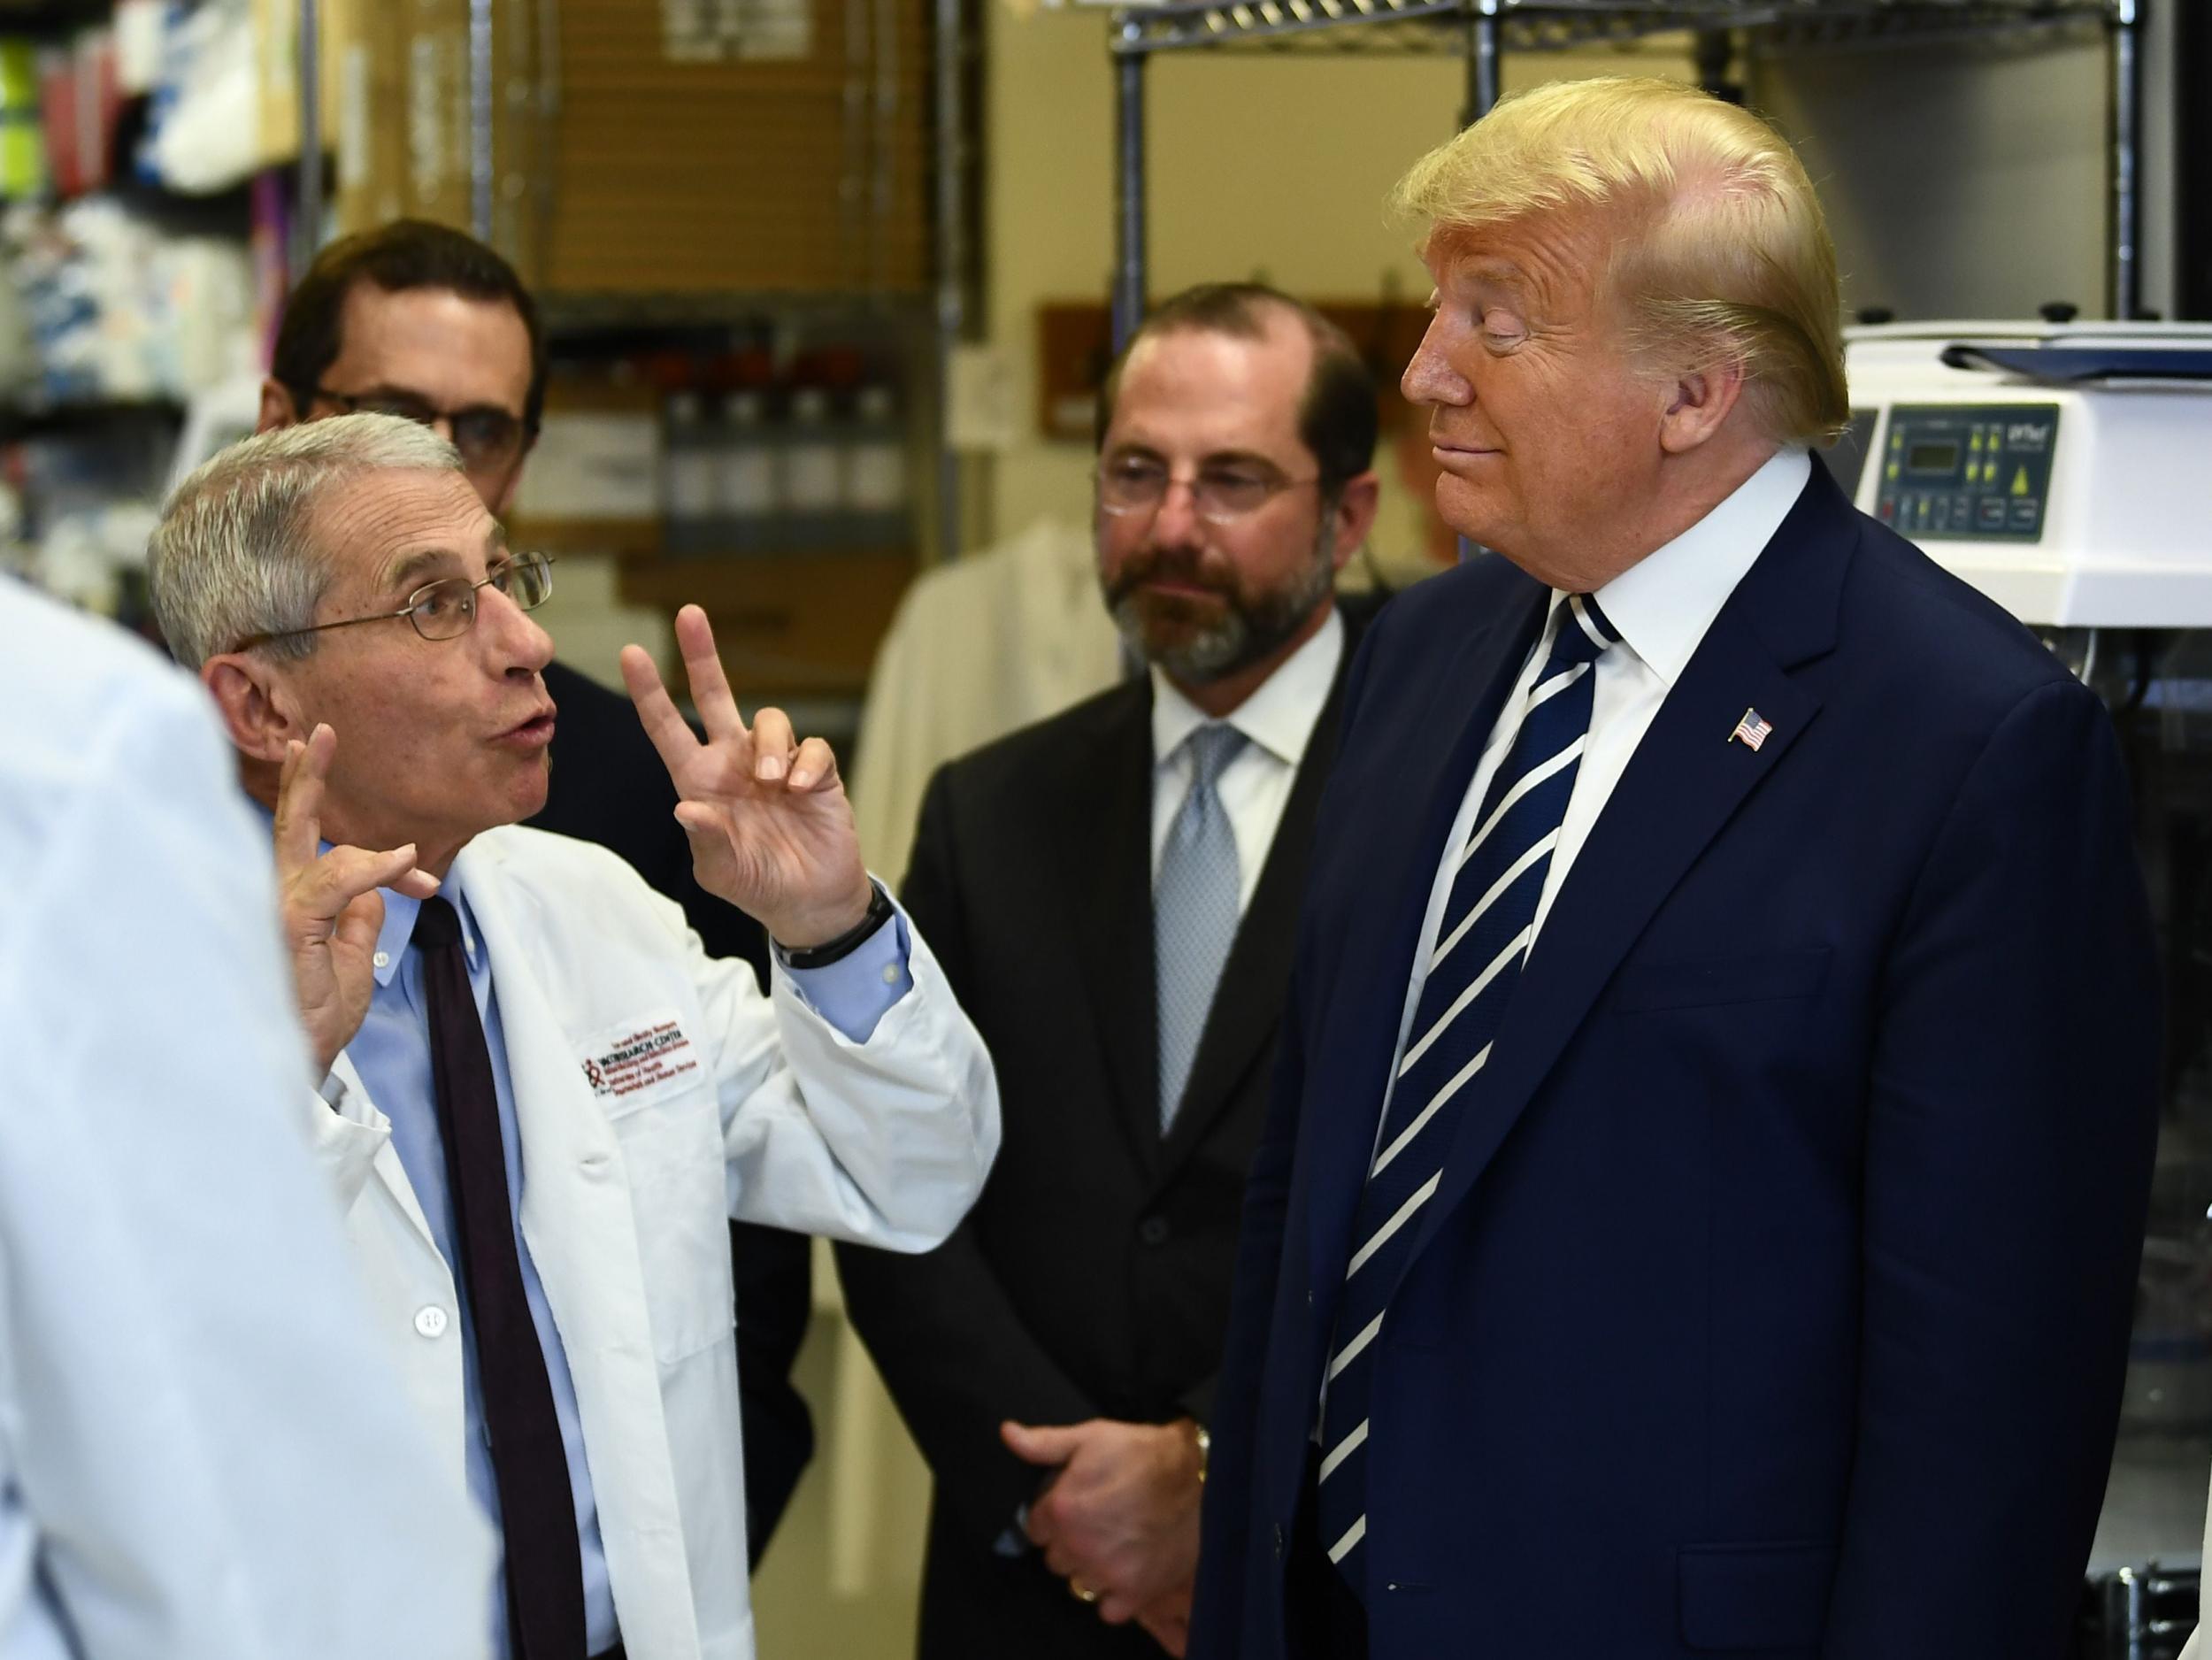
(540, 1099)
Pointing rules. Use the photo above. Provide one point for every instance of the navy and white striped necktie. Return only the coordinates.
(1482, 940)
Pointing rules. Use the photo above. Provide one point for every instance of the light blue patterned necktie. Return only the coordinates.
(1194, 911)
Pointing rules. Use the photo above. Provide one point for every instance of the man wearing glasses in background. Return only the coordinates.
(537, 1099)
(1089, 881)
(421, 321)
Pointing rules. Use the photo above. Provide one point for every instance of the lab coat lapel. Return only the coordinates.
(577, 1220)
(384, 1164)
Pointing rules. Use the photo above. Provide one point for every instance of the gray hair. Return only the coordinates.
(232, 557)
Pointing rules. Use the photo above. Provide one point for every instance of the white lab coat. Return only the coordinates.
(2199, 1645)
(1004, 637)
(205, 1451)
(751, 1105)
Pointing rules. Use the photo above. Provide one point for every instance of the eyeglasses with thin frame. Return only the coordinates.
(1219, 494)
(489, 439)
(445, 609)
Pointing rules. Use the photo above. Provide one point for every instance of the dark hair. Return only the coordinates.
(1336, 416)
(397, 257)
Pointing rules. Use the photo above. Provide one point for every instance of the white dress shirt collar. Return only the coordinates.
(1664, 603)
(1279, 718)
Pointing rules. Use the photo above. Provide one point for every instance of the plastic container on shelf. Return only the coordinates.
(875, 459)
(688, 489)
(747, 488)
(813, 464)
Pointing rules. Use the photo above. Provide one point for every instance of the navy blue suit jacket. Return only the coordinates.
(1775, 1300)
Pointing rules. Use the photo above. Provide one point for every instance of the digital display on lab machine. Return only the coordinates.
(1968, 472)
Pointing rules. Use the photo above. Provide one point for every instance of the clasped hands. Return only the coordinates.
(770, 828)
(1118, 1517)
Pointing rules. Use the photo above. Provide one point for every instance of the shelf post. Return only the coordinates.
(480, 75)
(1129, 252)
(2126, 275)
(953, 258)
(1484, 85)
(307, 213)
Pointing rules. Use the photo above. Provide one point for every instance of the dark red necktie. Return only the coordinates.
(545, 1572)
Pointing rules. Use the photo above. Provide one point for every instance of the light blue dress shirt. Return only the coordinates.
(392, 1054)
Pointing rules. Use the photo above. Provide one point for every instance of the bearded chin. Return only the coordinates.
(1195, 653)
(1199, 654)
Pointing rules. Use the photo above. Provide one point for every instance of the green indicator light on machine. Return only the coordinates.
(2020, 482)
(1890, 472)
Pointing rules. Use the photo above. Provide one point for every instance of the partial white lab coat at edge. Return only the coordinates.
(751, 1105)
(2199, 1645)
(205, 1453)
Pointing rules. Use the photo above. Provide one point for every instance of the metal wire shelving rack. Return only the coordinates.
(1483, 31)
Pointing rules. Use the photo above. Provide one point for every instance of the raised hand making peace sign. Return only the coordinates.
(771, 829)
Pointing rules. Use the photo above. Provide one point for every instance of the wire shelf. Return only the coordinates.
(1442, 26)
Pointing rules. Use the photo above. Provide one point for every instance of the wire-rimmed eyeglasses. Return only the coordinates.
(445, 609)
(491, 440)
(1218, 495)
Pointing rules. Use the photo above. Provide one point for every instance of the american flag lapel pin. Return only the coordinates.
(1752, 729)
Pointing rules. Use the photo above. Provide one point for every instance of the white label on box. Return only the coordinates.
(595, 465)
(979, 400)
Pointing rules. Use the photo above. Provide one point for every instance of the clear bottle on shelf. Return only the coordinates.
(875, 459)
(813, 486)
(688, 489)
(747, 490)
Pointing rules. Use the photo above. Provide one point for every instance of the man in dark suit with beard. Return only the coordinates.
(1113, 894)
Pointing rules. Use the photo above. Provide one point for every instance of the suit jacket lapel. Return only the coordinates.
(1107, 874)
(1684, 782)
(1249, 1007)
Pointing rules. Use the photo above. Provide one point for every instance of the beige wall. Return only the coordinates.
(1273, 166)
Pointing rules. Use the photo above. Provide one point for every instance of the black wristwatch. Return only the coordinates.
(880, 911)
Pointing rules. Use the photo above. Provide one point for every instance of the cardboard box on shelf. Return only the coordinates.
(688, 158)
(804, 623)
(368, 138)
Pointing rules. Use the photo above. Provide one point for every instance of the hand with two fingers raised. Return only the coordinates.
(329, 904)
(771, 829)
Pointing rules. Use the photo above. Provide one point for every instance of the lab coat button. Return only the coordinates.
(1153, 1230)
(430, 1320)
